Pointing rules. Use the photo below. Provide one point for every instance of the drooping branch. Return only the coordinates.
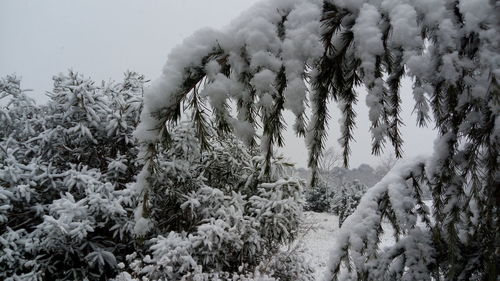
(200, 118)
(317, 127)
(349, 253)
(274, 124)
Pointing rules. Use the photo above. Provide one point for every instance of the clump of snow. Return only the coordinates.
(217, 90)
(163, 91)
(352, 5)
(263, 81)
(142, 226)
(474, 12)
(433, 11)
(243, 129)
(441, 152)
(403, 19)
(447, 34)
(212, 69)
(266, 60)
(295, 95)
(302, 38)
(449, 70)
(418, 65)
(368, 39)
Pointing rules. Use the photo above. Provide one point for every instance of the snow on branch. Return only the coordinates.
(283, 55)
(395, 200)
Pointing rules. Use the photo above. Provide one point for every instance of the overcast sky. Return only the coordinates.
(102, 39)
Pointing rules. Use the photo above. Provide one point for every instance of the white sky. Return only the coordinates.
(102, 39)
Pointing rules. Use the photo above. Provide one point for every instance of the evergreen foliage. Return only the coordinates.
(66, 211)
(340, 199)
(209, 212)
(68, 195)
(320, 197)
(346, 200)
(448, 48)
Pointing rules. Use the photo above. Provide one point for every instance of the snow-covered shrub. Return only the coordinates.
(319, 197)
(289, 264)
(213, 211)
(346, 199)
(66, 211)
(339, 197)
(67, 199)
(85, 231)
(90, 124)
(203, 276)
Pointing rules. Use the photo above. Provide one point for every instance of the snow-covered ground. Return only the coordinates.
(319, 236)
(320, 230)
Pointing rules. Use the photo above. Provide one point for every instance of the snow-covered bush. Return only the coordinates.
(338, 197)
(346, 199)
(212, 211)
(67, 196)
(19, 116)
(319, 197)
(289, 265)
(65, 209)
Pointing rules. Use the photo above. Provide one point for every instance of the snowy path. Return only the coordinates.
(321, 229)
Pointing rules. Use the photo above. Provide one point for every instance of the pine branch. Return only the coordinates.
(274, 123)
(348, 98)
(222, 124)
(317, 130)
(394, 82)
(200, 119)
(331, 23)
(246, 103)
(300, 125)
(417, 178)
(380, 125)
(344, 79)
(192, 76)
(421, 104)
(322, 86)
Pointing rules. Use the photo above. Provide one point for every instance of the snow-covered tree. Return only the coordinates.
(290, 54)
